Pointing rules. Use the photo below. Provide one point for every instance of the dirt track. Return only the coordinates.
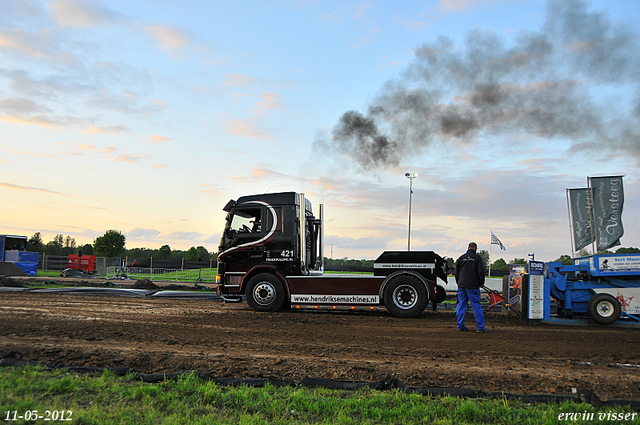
(230, 340)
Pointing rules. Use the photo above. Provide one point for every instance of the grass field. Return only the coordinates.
(108, 399)
(195, 275)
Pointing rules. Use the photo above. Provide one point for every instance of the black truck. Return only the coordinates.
(271, 252)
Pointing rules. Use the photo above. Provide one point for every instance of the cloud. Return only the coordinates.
(39, 95)
(29, 189)
(130, 158)
(361, 10)
(245, 128)
(456, 5)
(21, 105)
(158, 138)
(333, 18)
(39, 120)
(126, 100)
(210, 189)
(268, 101)
(169, 38)
(34, 154)
(139, 233)
(83, 14)
(160, 166)
(239, 80)
(111, 130)
(261, 175)
(248, 127)
(37, 45)
(362, 41)
(49, 88)
(186, 236)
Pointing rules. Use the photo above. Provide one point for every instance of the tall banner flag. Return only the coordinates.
(496, 241)
(608, 199)
(580, 217)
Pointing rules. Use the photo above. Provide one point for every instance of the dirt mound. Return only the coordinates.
(145, 284)
(8, 282)
(10, 269)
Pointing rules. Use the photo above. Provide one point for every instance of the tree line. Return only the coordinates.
(112, 245)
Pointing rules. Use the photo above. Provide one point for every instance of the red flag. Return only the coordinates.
(494, 299)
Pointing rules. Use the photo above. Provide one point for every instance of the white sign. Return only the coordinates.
(404, 266)
(335, 299)
(619, 263)
(535, 297)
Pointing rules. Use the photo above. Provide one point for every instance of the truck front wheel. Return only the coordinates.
(265, 292)
(405, 296)
(604, 309)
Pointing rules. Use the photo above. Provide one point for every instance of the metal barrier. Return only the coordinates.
(190, 275)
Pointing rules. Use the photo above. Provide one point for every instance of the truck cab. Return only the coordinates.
(266, 233)
(271, 252)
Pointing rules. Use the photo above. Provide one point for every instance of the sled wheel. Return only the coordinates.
(604, 309)
(405, 296)
(265, 292)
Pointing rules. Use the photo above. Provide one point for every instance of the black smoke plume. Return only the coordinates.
(547, 84)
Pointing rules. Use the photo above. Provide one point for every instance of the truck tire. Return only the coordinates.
(604, 309)
(265, 292)
(405, 296)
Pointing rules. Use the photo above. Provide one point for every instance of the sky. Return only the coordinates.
(147, 116)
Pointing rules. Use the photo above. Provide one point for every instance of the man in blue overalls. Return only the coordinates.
(469, 275)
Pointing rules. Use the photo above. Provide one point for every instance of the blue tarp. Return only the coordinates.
(29, 268)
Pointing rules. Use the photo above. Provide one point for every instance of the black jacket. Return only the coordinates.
(469, 270)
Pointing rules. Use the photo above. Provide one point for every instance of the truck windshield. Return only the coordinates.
(246, 221)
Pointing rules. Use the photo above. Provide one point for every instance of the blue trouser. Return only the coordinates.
(473, 295)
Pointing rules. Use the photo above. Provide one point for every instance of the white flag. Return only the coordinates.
(496, 241)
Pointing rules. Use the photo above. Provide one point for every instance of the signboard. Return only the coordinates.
(619, 263)
(535, 296)
(536, 268)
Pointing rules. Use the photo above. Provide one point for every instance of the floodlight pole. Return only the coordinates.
(410, 176)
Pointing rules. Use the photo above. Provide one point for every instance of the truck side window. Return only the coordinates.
(246, 221)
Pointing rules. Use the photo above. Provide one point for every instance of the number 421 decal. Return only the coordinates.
(286, 253)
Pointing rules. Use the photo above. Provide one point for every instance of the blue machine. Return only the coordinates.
(14, 249)
(605, 287)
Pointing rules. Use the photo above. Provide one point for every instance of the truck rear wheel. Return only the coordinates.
(265, 292)
(405, 296)
(604, 309)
